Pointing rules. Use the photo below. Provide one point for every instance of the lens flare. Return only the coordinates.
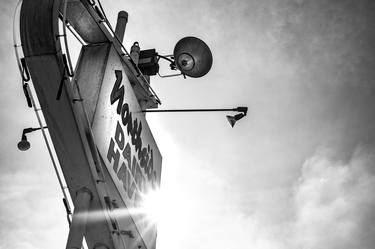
(149, 208)
(152, 205)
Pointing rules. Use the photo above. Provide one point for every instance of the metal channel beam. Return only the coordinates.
(68, 126)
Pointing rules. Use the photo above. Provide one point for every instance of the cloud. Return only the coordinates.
(31, 214)
(332, 206)
(334, 202)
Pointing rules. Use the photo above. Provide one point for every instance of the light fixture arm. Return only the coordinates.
(168, 58)
(30, 129)
(231, 119)
(173, 66)
(238, 109)
(242, 109)
(24, 144)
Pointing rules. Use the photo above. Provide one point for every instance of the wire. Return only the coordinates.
(166, 58)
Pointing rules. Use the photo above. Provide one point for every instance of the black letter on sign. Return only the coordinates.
(112, 154)
(119, 136)
(117, 91)
(126, 153)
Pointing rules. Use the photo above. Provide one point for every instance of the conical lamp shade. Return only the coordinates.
(231, 120)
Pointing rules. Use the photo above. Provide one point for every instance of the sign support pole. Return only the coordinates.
(78, 226)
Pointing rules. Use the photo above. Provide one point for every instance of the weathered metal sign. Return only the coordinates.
(125, 143)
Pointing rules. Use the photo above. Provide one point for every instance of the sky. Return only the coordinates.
(297, 172)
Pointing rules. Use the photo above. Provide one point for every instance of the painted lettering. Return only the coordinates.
(121, 174)
(117, 91)
(112, 154)
(132, 166)
(119, 136)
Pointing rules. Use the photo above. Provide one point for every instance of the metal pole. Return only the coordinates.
(78, 226)
(192, 110)
(122, 20)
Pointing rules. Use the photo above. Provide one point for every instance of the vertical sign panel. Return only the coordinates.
(126, 144)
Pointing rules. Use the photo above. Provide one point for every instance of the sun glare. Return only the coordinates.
(152, 205)
(169, 209)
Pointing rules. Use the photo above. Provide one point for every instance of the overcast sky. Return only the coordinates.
(297, 172)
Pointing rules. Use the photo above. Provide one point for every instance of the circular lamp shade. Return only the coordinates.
(192, 56)
(23, 145)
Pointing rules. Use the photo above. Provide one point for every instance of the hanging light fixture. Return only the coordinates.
(24, 145)
(233, 119)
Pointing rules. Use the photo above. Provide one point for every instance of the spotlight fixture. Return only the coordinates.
(233, 119)
(191, 56)
(24, 145)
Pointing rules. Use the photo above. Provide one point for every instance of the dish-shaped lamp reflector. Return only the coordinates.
(192, 57)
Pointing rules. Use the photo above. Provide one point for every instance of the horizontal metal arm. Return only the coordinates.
(28, 130)
(191, 110)
(238, 109)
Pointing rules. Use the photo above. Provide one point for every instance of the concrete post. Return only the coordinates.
(78, 226)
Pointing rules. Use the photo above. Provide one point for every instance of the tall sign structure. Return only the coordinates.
(106, 150)
(96, 115)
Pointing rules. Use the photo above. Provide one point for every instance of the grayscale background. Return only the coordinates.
(297, 172)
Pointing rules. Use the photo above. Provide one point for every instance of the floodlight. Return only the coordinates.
(192, 57)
